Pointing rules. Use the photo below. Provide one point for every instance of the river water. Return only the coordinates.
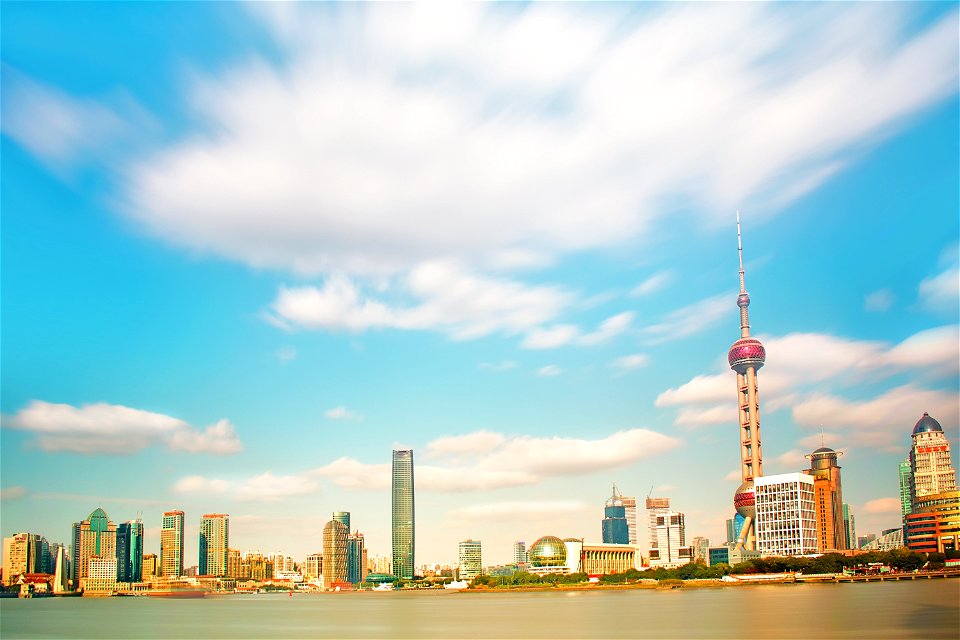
(911, 609)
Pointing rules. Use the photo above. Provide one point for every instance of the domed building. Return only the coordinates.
(831, 535)
(548, 551)
(934, 522)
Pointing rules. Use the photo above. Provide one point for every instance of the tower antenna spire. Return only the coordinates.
(740, 254)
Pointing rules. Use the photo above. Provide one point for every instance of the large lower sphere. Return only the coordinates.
(745, 500)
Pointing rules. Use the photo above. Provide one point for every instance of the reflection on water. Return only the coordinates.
(915, 609)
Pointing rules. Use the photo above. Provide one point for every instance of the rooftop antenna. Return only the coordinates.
(821, 436)
(740, 253)
(649, 493)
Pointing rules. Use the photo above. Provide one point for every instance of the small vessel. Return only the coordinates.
(383, 586)
(456, 584)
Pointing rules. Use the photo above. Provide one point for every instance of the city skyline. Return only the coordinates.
(241, 267)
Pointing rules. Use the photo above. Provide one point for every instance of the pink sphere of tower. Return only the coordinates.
(745, 500)
(746, 353)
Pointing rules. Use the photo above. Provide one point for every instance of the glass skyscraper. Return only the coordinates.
(403, 514)
(614, 527)
(130, 551)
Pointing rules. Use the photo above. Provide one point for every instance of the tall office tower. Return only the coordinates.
(171, 544)
(19, 556)
(130, 551)
(313, 566)
(746, 356)
(403, 527)
(39, 550)
(630, 511)
(785, 515)
(520, 553)
(343, 517)
(849, 527)
(356, 558)
(731, 532)
(906, 476)
(214, 544)
(95, 536)
(614, 526)
(334, 553)
(655, 507)
(61, 580)
(471, 563)
(233, 563)
(671, 538)
(930, 463)
(827, 499)
(933, 524)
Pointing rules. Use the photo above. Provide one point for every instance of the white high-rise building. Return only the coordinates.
(520, 553)
(671, 539)
(786, 520)
(471, 563)
(630, 511)
(655, 507)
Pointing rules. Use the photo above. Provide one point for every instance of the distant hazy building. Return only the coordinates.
(214, 544)
(849, 527)
(95, 536)
(827, 500)
(171, 544)
(701, 550)
(888, 540)
(906, 478)
(402, 520)
(356, 558)
(334, 553)
(655, 507)
(785, 514)
(130, 551)
(864, 541)
(671, 539)
(520, 553)
(471, 563)
(614, 526)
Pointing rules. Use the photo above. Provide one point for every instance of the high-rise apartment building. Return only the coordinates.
(671, 539)
(471, 563)
(356, 558)
(656, 507)
(630, 511)
(403, 514)
(785, 515)
(214, 544)
(906, 477)
(130, 551)
(94, 537)
(614, 525)
(827, 499)
(334, 553)
(171, 544)
(313, 566)
(849, 527)
(233, 563)
(19, 556)
(520, 556)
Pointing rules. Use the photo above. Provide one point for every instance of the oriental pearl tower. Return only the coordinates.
(746, 356)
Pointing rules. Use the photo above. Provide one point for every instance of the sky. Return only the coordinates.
(250, 249)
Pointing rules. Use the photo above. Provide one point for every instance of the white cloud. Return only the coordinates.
(694, 416)
(445, 298)
(564, 334)
(700, 389)
(631, 362)
(942, 291)
(882, 505)
(550, 337)
(406, 133)
(485, 460)
(549, 371)
(654, 283)
(879, 422)
(115, 429)
(497, 367)
(286, 354)
(736, 474)
(608, 329)
(342, 413)
(12, 493)
(691, 319)
(878, 301)
(263, 487)
(936, 350)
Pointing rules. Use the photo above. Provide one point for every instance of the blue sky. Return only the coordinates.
(249, 249)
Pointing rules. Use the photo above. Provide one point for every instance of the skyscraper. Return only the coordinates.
(214, 544)
(403, 528)
(334, 553)
(520, 553)
(933, 524)
(471, 563)
(828, 499)
(94, 537)
(746, 356)
(130, 551)
(655, 507)
(630, 511)
(906, 477)
(849, 527)
(614, 526)
(171, 544)
(19, 556)
(356, 558)
(343, 517)
(671, 538)
(785, 515)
